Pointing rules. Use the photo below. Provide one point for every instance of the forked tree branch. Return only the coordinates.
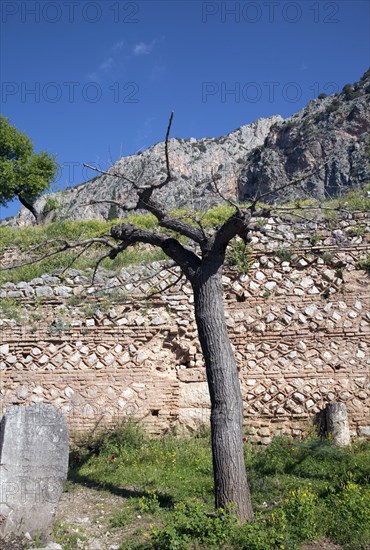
(166, 221)
(129, 234)
(236, 224)
(112, 254)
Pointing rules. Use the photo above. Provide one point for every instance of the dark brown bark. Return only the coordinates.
(31, 208)
(231, 487)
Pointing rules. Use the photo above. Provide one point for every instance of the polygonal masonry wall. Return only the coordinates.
(300, 327)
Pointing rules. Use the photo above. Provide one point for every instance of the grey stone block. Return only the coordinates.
(33, 468)
(15, 294)
(44, 291)
(50, 280)
(8, 285)
(63, 291)
(37, 281)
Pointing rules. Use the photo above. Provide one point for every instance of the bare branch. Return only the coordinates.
(147, 190)
(167, 287)
(214, 181)
(168, 178)
(75, 258)
(66, 246)
(99, 261)
(109, 173)
(183, 256)
(166, 147)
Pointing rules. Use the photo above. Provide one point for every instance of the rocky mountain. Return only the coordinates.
(330, 137)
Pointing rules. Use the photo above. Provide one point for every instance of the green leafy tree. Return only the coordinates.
(23, 174)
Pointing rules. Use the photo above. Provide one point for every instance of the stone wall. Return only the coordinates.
(299, 322)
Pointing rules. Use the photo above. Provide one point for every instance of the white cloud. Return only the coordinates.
(118, 57)
(143, 48)
(106, 65)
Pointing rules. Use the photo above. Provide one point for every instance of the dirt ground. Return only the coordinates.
(87, 511)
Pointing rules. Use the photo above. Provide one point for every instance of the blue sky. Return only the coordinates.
(92, 81)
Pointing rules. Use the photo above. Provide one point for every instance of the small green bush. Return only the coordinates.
(333, 106)
(365, 75)
(347, 88)
(122, 518)
(314, 239)
(51, 204)
(348, 516)
(149, 503)
(303, 514)
(365, 264)
(239, 255)
(10, 308)
(192, 524)
(357, 231)
(284, 254)
(265, 532)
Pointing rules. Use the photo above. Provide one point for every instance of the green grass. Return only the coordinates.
(33, 242)
(301, 491)
(365, 264)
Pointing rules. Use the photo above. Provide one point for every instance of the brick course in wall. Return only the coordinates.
(300, 328)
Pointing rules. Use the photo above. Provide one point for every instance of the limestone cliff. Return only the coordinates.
(332, 132)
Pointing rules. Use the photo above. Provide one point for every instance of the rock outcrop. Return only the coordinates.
(192, 164)
(329, 137)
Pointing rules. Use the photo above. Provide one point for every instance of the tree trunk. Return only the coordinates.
(224, 387)
(31, 208)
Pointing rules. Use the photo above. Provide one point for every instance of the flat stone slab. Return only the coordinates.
(33, 468)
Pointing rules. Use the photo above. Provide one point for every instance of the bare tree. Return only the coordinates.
(201, 262)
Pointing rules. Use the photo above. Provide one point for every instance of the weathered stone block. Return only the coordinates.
(44, 291)
(337, 423)
(33, 467)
